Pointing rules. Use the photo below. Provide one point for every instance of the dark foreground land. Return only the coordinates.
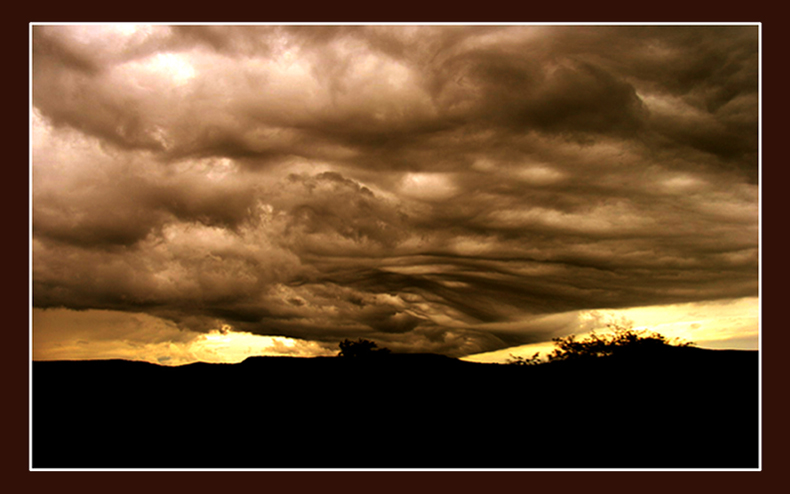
(678, 408)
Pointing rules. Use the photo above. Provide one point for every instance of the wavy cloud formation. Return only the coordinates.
(435, 188)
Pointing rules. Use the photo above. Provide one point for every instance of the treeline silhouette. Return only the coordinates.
(655, 405)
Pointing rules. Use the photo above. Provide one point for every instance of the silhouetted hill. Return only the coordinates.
(677, 408)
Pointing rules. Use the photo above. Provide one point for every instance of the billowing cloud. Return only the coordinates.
(435, 188)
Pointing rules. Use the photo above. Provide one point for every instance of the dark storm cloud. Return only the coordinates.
(714, 71)
(329, 206)
(444, 188)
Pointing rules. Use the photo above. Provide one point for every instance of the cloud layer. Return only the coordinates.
(435, 188)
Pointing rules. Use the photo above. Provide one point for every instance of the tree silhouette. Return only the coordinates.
(360, 349)
(621, 341)
(519, 360)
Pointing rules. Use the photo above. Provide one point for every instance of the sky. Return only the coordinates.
(212, 192)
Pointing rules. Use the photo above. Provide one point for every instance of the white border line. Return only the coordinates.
(760, 246)
(30, 246)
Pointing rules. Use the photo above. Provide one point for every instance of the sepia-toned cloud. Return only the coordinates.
(454, 189)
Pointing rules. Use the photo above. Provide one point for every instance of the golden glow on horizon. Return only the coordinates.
(732, 324)
(60, 334)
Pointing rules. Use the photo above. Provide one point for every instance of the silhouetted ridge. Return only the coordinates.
(674, 408)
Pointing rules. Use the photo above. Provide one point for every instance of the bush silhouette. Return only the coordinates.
(360, 349)
(519, 360)
(621, 341)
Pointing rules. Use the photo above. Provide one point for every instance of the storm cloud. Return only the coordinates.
(454, 189)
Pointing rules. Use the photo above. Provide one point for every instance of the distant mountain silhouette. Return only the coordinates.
(676, 408)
